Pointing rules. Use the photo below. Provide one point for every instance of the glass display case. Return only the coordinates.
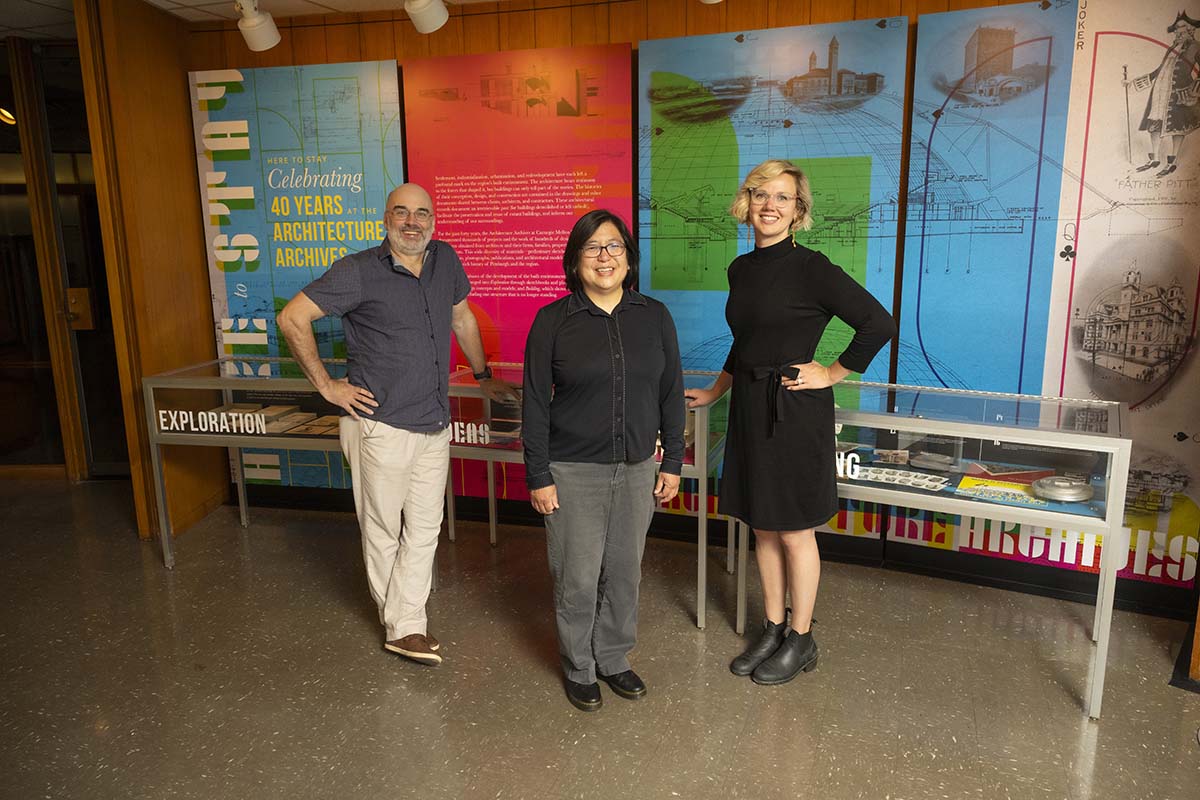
(240, 402)
(1055, 462)
(1048, 461)
(235, 402)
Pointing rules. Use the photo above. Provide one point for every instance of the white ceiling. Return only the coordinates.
(54, 19)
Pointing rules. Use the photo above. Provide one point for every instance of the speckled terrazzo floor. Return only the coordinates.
(254, 670)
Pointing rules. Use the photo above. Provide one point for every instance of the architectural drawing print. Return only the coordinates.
(712, 107)
(535, 90)
(989, 122)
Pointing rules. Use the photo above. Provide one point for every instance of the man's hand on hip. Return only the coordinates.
(346, 395)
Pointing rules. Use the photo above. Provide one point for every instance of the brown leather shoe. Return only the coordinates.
(415, 646)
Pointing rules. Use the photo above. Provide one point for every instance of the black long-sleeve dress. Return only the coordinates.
(779, 456)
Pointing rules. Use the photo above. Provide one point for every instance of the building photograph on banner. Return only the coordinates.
(990, 103)
(514, 147)
(829, 98)
(1125, 291)
(295, 164)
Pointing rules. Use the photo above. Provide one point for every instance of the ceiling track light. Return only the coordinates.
(426, 15)
(257, 27)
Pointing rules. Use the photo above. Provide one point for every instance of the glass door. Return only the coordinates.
(30, 434)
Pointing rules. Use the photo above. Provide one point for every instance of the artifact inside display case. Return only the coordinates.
(505, 419)
(1055, 473)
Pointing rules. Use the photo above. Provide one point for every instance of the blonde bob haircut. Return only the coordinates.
(768, 171)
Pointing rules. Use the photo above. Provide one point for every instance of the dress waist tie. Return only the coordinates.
(773, 375)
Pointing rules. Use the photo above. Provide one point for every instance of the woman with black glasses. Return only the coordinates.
(779, 456)
(602, 383)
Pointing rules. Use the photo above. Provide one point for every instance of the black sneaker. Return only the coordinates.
(584, 696)
(627, 684)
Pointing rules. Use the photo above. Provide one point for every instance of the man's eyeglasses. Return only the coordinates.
(614, 249)
(758, 197)
(420, 215)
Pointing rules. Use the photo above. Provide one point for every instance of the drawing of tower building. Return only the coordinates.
(1142, 332)
(831, 81)
(989, 52)
(834, 47)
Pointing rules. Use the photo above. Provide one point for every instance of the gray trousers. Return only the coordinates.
(595, 542)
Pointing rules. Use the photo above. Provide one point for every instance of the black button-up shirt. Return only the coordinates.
(600, 388)
(397, 329)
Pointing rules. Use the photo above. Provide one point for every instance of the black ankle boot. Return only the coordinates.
(755, 654)
(797, 654)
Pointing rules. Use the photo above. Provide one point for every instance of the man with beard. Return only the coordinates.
(398, 303)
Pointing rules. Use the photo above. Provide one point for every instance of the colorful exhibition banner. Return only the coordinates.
(990, 92)
(830, 98)
(295, 164)
(514, 147)
(1123, 321)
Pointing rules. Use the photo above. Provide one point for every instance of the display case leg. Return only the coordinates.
(450, 502)
(165, 534)
(160, 486)
(1119, 541)
(239, 480)
(729, 546)
(1100, 590)
(491, 479)
(743, 535)
(701, 551)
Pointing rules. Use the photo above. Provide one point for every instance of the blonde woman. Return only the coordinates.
(779, 464)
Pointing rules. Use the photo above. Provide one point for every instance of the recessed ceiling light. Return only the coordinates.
(6, 117)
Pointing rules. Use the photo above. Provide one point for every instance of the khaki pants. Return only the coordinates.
(399, 480)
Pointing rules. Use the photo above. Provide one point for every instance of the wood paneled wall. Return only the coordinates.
(139, 117)
(520, 24)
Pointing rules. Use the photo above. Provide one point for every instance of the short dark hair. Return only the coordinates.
(585, 227)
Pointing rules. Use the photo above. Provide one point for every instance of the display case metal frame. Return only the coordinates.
(1111, 526)
(462, 385)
